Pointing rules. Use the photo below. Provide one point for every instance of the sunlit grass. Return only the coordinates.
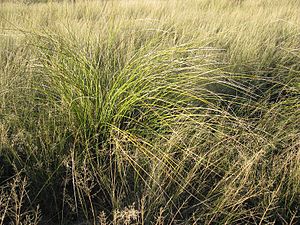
(149, 112)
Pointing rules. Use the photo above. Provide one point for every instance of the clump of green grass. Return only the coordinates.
(119, 112)
(135, 116)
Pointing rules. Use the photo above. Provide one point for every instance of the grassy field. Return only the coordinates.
(150, 112)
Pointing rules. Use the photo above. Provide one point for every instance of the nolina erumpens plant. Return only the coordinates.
(133, 116)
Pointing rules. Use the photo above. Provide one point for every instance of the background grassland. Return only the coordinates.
(149, 112)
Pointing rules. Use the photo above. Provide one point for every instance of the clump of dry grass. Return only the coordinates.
(14, 203)
(146, 112)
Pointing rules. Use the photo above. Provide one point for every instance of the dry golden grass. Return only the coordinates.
(149, 112)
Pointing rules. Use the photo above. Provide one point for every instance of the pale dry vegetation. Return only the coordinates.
(150, 112)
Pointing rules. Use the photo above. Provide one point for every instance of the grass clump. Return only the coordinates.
(136, 116)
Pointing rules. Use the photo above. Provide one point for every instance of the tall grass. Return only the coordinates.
(149, 112)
